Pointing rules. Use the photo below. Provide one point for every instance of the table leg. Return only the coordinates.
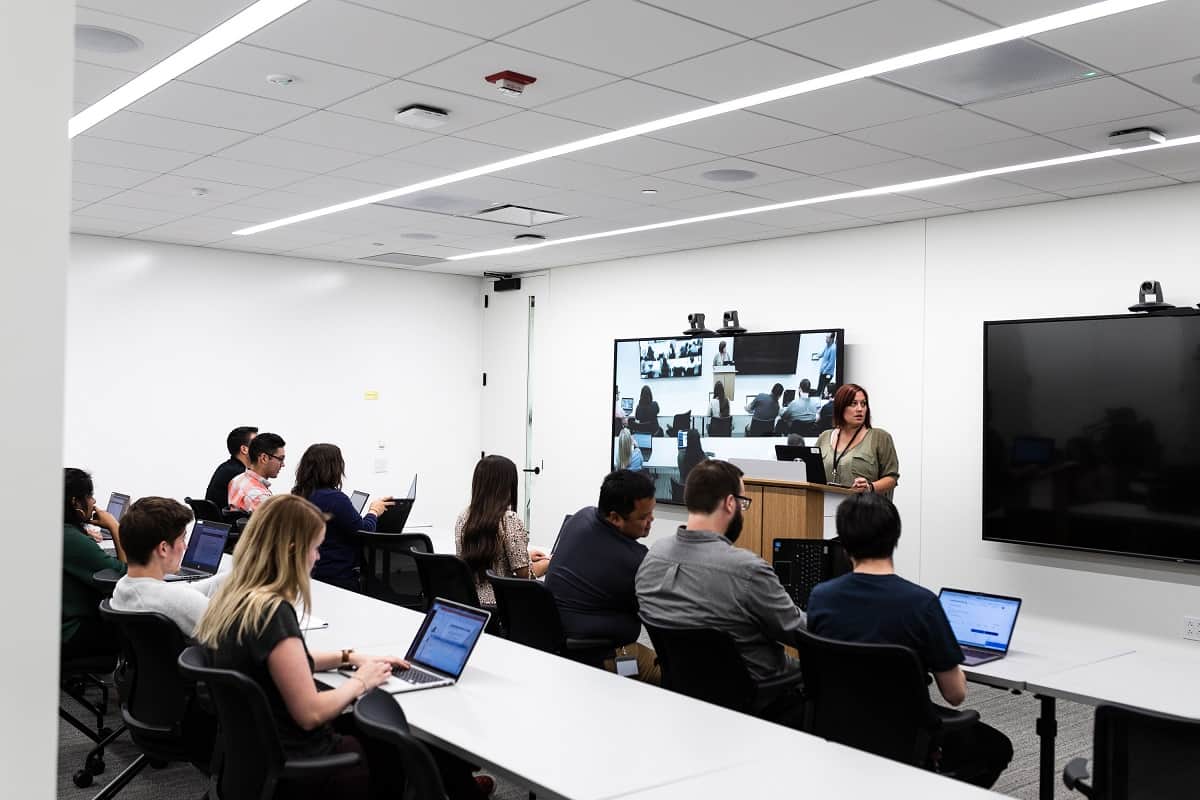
(1047, 730)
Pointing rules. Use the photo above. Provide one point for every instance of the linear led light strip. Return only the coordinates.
(978, 42)
(229, 32)
(895, 188)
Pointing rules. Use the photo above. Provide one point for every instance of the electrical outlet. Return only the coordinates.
(1191, 628)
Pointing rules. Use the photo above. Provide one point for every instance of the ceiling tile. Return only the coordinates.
(90, 193)
(241, 173)
(530, 130)
(132, 156)
(93, 82)
(737, 133)
(82, 223)
(466, 71)
(1144, 37)
(800, 217)
(382, 103)
(1008, 202)
(648, 37)
(158, 41)
(193, 230)
(1010, 12)
(484, 18)
(716, 203)
(288, 238)
(936, 132)
(208, 106)
(360, 38)
(850, 106)
(177, 204)
(331, 189)
(763, 174)
(643, 155)
(584, 204)
(1176, 82)
(192, 17)
(1120, 186)
(666, 191)
(621, 104)
(1007, 152)
(105, 175)
(1172, 161)
(129, 126)
(288, 154)
(244, 68)
(892, 172)
(566, 173)
(881, 206)
(145, 216)
(180, 186)
(956, 194)
(753, 17)
(822, 156)
(1074, 105)
(799, 188)
(905, 216)
(391, 172)
(453, 154)
(353, 134)
(878, 30)
(270, 205)
(1180, 122)
(735, 71)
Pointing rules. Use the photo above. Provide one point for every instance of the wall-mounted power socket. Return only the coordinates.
(1191, 628)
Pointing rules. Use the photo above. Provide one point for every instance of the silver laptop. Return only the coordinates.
(359, 501)
(439, 652)
(982, 623)
(117, 503)
(203, 556)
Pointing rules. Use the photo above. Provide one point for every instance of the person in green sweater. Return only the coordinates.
(83, 632)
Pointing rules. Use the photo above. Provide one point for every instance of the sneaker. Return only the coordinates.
(486, 784)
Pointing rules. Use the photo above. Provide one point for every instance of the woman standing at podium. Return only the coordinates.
(855, 454)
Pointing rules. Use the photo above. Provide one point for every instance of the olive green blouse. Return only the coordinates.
(874, 457)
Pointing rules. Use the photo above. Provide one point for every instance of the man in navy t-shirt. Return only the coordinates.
(873, 604)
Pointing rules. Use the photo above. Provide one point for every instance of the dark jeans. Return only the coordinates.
(93, 637)
(976, 755)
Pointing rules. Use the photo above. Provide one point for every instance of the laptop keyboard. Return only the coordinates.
(414, 675)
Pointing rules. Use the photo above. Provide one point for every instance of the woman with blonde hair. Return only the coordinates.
(252, 626)
(628, 456)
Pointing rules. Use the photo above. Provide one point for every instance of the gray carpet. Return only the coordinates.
(1012, 714)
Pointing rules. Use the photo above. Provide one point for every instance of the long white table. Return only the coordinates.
(570, 731)
(1164, 682)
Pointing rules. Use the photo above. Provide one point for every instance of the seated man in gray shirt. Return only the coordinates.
(698, 579)
(154, 548)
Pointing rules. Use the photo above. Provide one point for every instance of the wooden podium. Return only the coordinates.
(785, 510)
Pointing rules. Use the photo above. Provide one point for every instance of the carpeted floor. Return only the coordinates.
(1012, 714)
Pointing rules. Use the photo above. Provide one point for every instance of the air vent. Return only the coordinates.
(999, 71)
(403, 259)
(520, 215)
(438, 203)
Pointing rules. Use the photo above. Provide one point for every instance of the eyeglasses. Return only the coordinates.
(745, 501)
(277, 458)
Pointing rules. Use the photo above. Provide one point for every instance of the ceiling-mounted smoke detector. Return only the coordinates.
(509, 82)
(1135, 137)
(423, 117)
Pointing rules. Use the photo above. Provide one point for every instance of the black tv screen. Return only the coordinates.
(1092, 434)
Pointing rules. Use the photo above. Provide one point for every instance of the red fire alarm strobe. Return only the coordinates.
(510, 82)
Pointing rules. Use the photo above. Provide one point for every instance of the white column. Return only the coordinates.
(35, 81)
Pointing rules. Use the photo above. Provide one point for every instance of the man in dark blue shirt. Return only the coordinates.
(594, 563)
(874, 604)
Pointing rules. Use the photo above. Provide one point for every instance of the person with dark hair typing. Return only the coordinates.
(248, 490)
(873, 604)
(238, 444)
(83, 632)
(595, 561)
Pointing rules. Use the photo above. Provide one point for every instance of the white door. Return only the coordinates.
(510, 367)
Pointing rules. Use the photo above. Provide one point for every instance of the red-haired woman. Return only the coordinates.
(855, 454)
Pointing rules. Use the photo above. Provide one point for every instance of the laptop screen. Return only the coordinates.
(980, 620)
(627, 405)
(359, 501)
(206, 545)
(412, 489)
(117, 503)
(447, 637)
(643, 440)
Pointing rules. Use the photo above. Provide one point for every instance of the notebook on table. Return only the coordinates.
(982, 623)
(204, 549)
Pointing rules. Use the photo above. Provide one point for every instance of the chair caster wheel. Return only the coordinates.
(83, 779)
(94, 764)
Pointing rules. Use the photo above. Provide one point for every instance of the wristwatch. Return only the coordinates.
(346, 654)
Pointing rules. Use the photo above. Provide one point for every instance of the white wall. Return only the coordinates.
(35, 81)
(912, 298)
(169, 347)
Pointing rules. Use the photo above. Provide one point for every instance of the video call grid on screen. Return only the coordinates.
(749, 365)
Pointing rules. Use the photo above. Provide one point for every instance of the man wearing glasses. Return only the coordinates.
(248, 490)
(698, 579)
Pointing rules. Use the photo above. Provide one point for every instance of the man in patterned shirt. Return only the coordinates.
(249, 489)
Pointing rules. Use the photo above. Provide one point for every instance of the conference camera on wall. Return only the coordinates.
(696, 326)
(1147, 290)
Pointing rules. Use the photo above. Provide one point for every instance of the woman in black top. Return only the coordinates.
(647, 409)
(691, 456)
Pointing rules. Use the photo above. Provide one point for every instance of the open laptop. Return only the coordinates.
(814, 466)
(395, 518)
(117, 503)
(203, 556)
(439, 652)
(982, 623)
(627, 405)
(359, 501)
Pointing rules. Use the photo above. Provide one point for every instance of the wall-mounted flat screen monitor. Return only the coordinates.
(731, 393)
(1092, 434)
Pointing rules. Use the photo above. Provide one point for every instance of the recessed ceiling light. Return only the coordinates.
(105, 40)
(1022, 30)
(229, 32)
(728, 175)
(279, 79)
(424, 237)
(649, 191)
(896, 188)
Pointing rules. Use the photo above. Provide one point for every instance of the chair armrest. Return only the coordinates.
(953, 719)
(589, 644)
(1075, 775)
(317, 765)
(142, 727)
(780, 682)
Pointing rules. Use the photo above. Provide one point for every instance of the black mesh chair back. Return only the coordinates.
(680, 422)
(204, 509)
(871, 697)
(1141, 755)
(761, 427)
(527, 613)
(803, 563)
(105, 581)
(379, 716)
(703, 664)
(446, 576)
(389, 570)
(720, 426)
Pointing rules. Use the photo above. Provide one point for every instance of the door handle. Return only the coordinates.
(535, 470)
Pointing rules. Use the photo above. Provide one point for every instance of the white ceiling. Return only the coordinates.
(261, 151)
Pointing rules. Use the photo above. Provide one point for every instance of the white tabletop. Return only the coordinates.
(1162, 681)
(1042, 647)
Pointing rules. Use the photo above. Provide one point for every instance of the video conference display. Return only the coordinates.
(727, 397)
(1092, 434)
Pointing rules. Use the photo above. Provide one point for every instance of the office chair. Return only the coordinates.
(720, 426)
(873, 697)
(204, 509)
(446, 576)
(529, 616)
(761, 427)
(389, 572)
(651, 428)
(249, 762)
(705, 664)
(676, 491)
(1139, 755)
(105, 580)
(378, 715)
(807, 428)
(76, 676)
(811, 561)
(159, 707)
(680, 422)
